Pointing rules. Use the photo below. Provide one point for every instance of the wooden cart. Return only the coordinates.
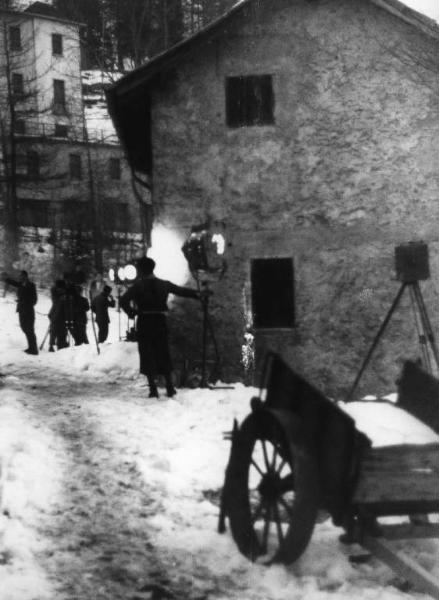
(297, 453)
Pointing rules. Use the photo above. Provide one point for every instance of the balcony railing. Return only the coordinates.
(60, 131)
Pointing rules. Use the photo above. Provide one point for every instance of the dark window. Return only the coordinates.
(59, 96)
(17, 83)
(19, 126)
(14, 38)
(32, 163)
(114, 168)
(57, 45)
(75, 166)
(34, 213)
(61, 130)
(249, 100)
(272, 285)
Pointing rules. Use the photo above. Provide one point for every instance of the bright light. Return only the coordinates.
(166, 251)
(111, 274)
(130, 272)
(220, 242)
(121, 273)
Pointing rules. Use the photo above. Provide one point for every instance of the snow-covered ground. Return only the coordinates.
(107, 494)
(99, 125)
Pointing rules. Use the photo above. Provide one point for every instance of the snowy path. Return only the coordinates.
(95, 538)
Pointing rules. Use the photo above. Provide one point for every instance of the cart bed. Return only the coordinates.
(401, 479)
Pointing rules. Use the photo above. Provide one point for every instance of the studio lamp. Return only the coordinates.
(204, 252)
(123, 275)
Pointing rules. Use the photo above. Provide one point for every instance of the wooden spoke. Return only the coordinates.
(273, 458)
(266, 528)
(264, 449)
(258, 512)
(281, 466)
(280, 534)
(257, 467)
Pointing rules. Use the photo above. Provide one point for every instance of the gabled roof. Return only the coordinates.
(128, 94)
(41, 9)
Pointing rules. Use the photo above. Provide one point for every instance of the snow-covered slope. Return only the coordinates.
(106, 494)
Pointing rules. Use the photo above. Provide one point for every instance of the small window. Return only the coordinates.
(57, 44)
(75, 166)
(59, 96)
(19, 126)
(249, 100)
(114, 168)
(14, 38)
(61, 130)
(17, 83)
(32, 163)
(272, 291)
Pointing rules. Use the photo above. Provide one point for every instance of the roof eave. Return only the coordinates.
(145, 72)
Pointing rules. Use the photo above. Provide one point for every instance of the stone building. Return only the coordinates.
(307, 130)
(65, 189)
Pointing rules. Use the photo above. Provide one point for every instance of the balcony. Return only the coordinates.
(58, 131)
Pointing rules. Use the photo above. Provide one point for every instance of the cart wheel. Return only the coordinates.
(271, 488)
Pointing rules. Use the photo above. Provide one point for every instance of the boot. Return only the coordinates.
(153, 391)
(170, 389)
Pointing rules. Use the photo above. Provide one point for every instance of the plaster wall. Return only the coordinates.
(349, 170)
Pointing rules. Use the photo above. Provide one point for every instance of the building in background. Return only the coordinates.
(66, 188)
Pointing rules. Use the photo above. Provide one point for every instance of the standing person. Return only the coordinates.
(150, 294)
(80, 307)
(26, 300)
(57, 317)
(100, 305)
(97, 285)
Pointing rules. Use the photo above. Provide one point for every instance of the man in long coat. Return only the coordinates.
(26, 300)
(100, 305)
(149, 294)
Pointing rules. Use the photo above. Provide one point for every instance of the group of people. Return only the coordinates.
(67, 314)
(145, 301)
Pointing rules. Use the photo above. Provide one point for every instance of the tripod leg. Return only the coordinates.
(375, 341)
(428, 330)
(419, 323)
(204, 356)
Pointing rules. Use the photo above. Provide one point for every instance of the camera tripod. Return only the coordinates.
(423, 326)
(207, 328)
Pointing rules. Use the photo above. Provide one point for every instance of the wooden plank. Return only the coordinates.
(406, 531)
(402, 564)
(405, 475)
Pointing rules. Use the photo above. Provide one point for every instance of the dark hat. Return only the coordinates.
(145, 265)
(107, 289)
